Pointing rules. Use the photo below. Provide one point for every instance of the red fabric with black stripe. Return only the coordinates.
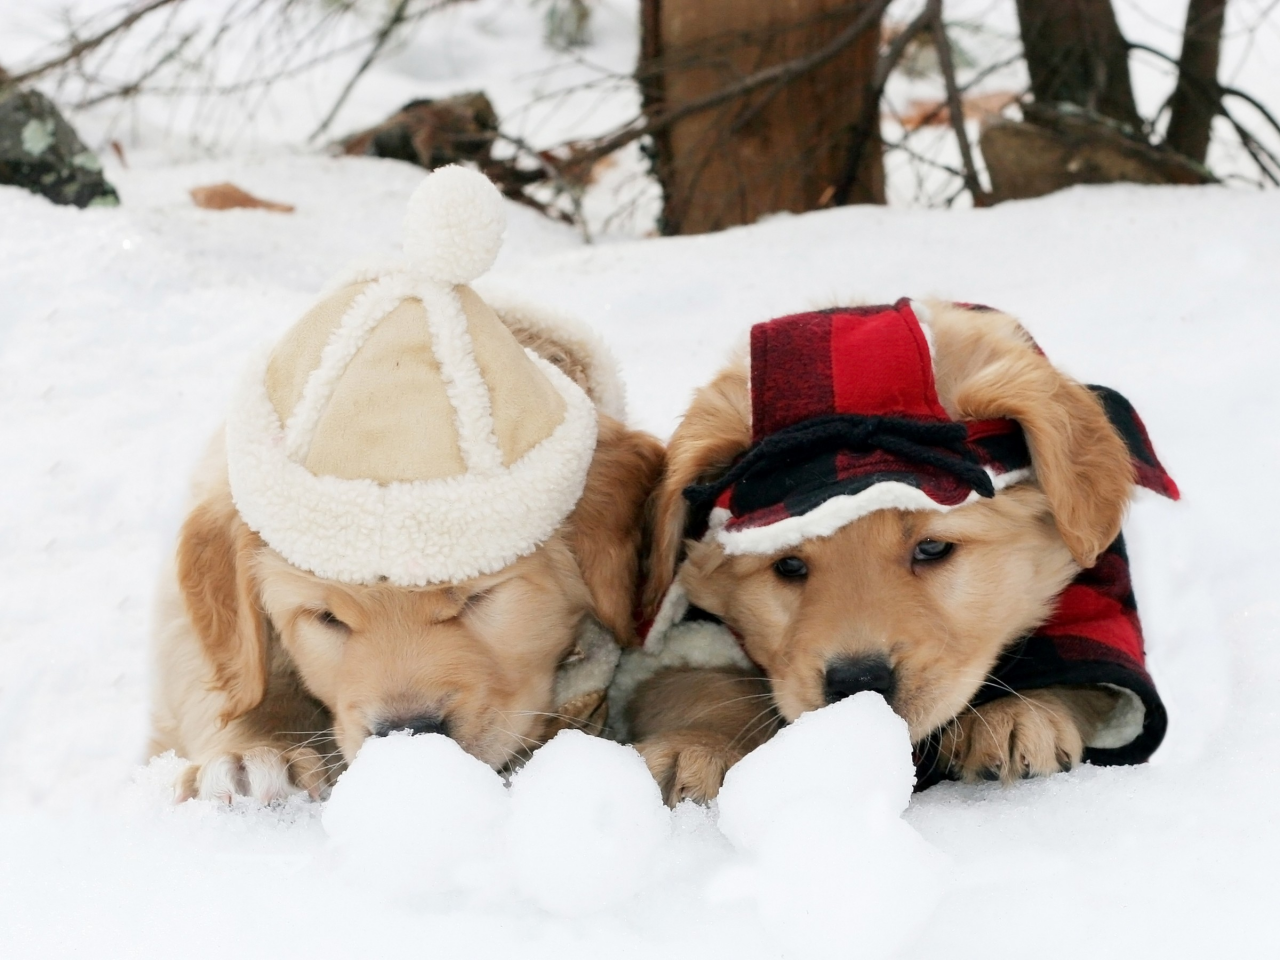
(859, 360)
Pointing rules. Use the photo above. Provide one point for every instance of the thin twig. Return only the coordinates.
(388, 28)
(1241, 95)
(781, 74)
(134, 86)
(81, 47)
(980, 197)
(870, 120)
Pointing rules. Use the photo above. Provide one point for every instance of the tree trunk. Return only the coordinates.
(1197, 97)
(782, 147)
(1076, 54)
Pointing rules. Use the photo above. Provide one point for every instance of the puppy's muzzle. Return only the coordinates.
(422, 723)
(850, 675)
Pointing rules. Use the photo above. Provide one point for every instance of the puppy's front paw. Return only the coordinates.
(1030, 734)
(264, 773)
(689, 764)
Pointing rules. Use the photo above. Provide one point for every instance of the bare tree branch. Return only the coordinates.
(81, 47)
(862, 134)
(394, 20)
(943, 44)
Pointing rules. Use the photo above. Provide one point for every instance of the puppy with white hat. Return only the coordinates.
(426, 514)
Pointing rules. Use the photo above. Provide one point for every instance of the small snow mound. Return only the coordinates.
(854, 752)
(586, 822)
(454, 226)
(418, 813)
(831, 864)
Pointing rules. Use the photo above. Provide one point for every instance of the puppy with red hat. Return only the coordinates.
(908, 499)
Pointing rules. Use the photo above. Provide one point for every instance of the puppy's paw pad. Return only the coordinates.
(1014, 738)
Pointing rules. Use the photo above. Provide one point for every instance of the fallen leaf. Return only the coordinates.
(226, 196)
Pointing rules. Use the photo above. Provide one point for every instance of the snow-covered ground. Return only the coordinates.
(124, 329)
(121, 333)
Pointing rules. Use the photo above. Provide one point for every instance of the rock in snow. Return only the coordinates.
(40, 151)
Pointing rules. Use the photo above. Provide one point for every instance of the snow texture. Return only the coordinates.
(123, 331)
(835, 781)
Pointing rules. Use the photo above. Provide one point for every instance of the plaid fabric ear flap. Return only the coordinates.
(1150, 471)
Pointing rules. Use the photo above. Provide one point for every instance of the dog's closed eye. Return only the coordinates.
(464, 603)
(476, 600)
(329, 619)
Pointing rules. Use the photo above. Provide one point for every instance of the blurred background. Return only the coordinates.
(636, 117)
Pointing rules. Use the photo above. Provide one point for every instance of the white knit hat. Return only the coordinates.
(399, 431)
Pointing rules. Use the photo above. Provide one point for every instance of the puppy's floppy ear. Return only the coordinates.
(216, 579)
(715, 429)
(609, 521)
(988, 367)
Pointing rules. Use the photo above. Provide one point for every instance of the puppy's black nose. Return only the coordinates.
(423, 723)
(851, 675)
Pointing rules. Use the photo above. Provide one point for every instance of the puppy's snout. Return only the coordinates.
(422, 723)
(850, 675)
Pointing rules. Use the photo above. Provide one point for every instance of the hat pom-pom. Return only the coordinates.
(454, 225)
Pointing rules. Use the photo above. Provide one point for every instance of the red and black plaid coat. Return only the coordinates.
(846, 420)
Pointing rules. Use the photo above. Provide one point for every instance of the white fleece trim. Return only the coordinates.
(924, 314)
(1124, 723)
(463, 383)
(594, 669)
(702, 644)
(364, 313)
(675, 604)
(603, 378)
(412, 533)
(364, 269)
(829, 516)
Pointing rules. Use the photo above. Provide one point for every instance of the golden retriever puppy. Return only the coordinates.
(907, 499)
(413, 523)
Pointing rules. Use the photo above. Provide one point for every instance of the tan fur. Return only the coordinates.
(607, 526)
(692, 725)
(987, 367)
(215, 550)
(258, 690)
(941, 625)
(551, 349)
(715, 429)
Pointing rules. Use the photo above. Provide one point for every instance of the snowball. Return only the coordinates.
(454, 225)
(833, 867)
(417, 814)
(586, 821)
(854, 752)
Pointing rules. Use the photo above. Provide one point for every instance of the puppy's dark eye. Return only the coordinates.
(790, 568)
(927, 551)
(328, 618)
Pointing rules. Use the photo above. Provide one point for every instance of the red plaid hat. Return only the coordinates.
(846, 421)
